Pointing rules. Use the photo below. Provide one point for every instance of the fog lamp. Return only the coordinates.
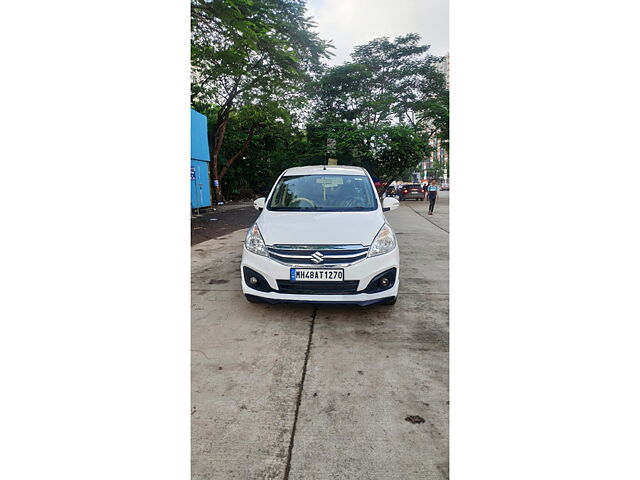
(253, 280)
(384, 282)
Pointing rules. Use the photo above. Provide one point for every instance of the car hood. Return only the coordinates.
(320, 228)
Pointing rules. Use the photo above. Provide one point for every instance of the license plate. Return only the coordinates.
(317, 275)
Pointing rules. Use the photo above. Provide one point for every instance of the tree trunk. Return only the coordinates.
(244, 146)
(218, 138)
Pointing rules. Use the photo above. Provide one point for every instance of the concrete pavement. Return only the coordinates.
(440, 215)
(304, 392)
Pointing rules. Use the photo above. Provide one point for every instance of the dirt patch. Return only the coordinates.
(414, 419)
(330, 408)
(222, 222)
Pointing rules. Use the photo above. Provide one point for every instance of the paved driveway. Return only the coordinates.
(304, 392)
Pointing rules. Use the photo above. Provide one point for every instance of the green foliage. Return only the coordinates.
(382, 107)
(250, 61)
(257, 75)
(433, 117)
(401, 150)
(387, 81)
(270, 146)
(247, 51)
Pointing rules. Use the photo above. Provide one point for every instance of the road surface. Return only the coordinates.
(304, 392)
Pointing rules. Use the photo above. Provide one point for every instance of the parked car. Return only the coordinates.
(322, 237)
(444, 186)
(412, 191)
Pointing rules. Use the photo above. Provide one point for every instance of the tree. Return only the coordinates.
(248, 52)
(271, 144)
(400, 151)
(382, 106)
(387, 81)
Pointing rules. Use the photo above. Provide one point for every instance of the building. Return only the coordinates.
(436, 164)
(443, 67)
(200, 185)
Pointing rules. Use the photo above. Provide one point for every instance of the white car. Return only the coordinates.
(322, 238)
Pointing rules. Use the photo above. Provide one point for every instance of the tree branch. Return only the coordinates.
(244, 146)
(218, 139)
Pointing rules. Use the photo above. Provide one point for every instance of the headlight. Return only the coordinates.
(254, 242)
(384, 242)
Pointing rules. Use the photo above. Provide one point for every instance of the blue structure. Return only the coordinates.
(200, 184)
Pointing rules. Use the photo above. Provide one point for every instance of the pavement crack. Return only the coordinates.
(200, 351)
(300, 389)
(432, 223)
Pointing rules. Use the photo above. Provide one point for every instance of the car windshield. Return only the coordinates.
(326, 193)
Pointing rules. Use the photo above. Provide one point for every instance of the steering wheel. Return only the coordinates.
(303, 199)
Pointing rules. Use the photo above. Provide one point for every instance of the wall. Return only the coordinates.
(200, 185)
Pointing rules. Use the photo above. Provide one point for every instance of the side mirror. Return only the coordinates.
(390, 203)
(258, 203)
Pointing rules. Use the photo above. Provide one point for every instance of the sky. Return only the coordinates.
(348, 23)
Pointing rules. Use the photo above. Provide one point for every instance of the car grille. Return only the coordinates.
(317, 254)
(318, 288)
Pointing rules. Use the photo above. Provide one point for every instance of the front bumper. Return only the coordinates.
(363, 272)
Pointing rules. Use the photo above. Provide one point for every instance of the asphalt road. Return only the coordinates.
(304, 392)
(224, 220)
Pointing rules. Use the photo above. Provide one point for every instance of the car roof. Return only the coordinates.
(325, 170)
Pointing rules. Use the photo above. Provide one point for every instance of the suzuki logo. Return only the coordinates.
(317, 257)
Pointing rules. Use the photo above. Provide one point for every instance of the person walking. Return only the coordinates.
(432, 194)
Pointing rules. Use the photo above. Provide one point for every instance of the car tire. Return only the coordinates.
(391, 301)
(422, 199)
